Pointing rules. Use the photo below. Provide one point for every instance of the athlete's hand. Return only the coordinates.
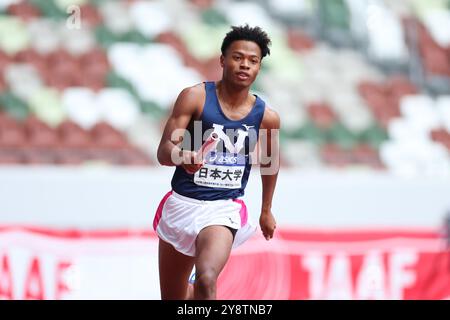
(268, 224)
(190, 162)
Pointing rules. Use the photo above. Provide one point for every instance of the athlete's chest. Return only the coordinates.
(236, 113)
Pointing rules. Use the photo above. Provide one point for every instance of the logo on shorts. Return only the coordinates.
(232, 221)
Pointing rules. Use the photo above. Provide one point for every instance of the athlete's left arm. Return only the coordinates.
(269, 167)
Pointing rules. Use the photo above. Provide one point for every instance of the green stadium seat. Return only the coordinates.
(105, 37)
(152, 109)
(214, 17)
(136, 37)
(310, 132)
(374, 136)
(49, 9)
(338, 134)
(335, 14)
(14, 106)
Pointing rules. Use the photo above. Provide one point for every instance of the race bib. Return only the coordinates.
(221, 170)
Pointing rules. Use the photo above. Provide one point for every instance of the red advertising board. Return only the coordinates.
(38, 263)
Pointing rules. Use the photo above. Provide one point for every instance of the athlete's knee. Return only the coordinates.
(206, 282)
(207, 278)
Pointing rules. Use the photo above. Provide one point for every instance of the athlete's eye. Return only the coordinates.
(237, 58)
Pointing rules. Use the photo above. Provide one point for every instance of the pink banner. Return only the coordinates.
(353, 264)
(37, 263)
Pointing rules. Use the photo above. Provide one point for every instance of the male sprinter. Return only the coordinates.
(202, 218)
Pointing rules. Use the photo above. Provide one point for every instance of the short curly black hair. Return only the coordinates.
(255, 34)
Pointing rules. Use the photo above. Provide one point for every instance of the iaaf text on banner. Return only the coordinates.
(299, 264)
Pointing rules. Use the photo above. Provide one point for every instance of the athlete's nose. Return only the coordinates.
(245, 64)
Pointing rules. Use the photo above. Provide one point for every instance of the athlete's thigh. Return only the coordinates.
(174, 271)
(213, 247)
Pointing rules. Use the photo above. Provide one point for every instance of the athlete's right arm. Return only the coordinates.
(169, 152)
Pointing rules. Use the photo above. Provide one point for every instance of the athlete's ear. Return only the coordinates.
(222, 59)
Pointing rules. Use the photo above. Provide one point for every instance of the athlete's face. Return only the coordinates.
(241, 62)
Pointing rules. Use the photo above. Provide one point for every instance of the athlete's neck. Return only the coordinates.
(232, 95)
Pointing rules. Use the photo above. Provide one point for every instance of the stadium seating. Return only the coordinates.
(356, 83)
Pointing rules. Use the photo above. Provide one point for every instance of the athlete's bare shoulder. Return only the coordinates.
(271, 119)
(193, 93)
(190, 100)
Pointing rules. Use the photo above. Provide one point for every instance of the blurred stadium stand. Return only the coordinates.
(357, 83)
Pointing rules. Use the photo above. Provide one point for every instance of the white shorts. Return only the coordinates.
(179, 219)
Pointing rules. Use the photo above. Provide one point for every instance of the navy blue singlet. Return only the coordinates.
(227, 168)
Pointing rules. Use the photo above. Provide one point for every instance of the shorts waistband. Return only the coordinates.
(197, 201)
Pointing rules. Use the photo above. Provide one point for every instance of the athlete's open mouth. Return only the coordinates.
(243, 75)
